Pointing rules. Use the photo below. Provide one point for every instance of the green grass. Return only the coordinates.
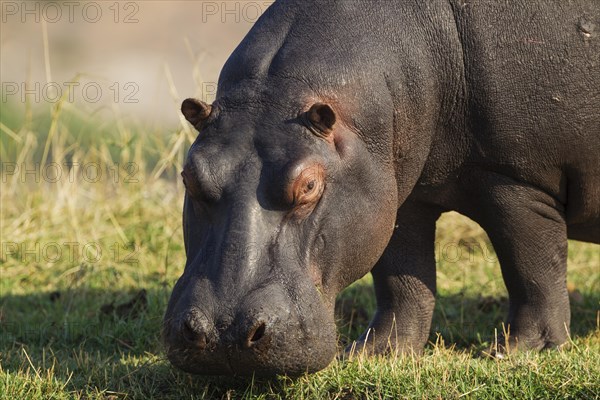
(63, 334)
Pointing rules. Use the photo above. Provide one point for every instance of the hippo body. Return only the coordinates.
(341, 131)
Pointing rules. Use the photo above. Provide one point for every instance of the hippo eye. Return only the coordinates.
(201, 191)
(310, 186)
(183, 179)
(306, 190)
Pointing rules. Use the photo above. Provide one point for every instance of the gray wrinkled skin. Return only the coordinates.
(341, 131)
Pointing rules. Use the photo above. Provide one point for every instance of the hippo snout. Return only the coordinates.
(195, 331)
(263, 339)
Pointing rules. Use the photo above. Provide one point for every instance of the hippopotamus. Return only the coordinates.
(341, 131)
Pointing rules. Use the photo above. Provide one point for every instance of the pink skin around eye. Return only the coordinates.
(306, 190)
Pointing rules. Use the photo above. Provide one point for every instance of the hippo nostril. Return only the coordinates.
(193, 336)
(256, 334)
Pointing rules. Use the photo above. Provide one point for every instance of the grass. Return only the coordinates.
(78, 250)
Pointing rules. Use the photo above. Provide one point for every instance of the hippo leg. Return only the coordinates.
(404, 279)
(528, 231)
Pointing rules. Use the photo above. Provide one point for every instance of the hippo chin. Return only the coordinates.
(341, 131)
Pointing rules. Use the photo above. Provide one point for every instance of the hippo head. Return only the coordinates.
(284, 207)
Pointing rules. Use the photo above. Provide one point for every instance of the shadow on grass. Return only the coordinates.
(106, 343)
(101, 343)
(465, 321)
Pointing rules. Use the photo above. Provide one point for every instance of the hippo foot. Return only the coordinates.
(371, 344)
(507, 345)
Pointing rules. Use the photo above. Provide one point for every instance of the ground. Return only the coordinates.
(92, 245)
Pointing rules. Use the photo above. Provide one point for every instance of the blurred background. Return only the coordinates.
(138, 57)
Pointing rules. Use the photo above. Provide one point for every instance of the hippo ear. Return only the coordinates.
(196, 112)
(322, 118)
